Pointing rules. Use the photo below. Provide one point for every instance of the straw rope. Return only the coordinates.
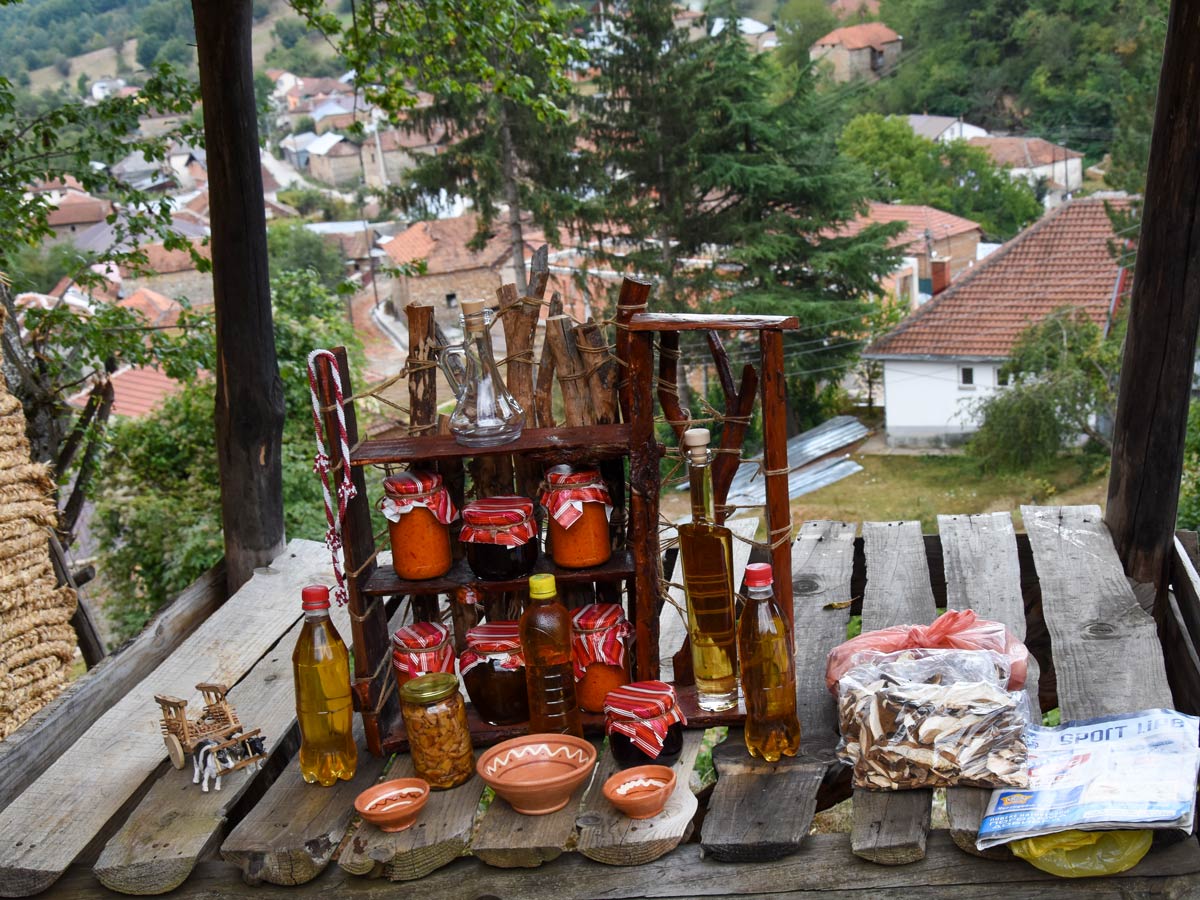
(37, 642)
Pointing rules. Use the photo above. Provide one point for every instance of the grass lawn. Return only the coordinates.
(892, 488)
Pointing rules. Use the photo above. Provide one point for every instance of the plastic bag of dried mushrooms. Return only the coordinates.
(932, 718)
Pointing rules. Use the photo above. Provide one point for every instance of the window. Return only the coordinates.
(452, 300)
(966, 377)
(1001, 377)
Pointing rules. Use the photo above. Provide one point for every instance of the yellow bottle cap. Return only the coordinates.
(542, 586)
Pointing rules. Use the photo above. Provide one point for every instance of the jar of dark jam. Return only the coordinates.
(500, 536)
(644, 724)
(493, 670)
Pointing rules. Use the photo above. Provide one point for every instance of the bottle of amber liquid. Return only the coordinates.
(549, 671)
(706, 550)
(768, 660)
(321, 669)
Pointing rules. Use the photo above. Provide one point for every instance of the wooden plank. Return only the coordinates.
(27, 752)
(610, 837)
(290, 835)
(825, 869)
(509, 840)
(549, 444)
(760, 810)
(176, 823)
(1184, 580)
(46, 827)
(1164, 310)
(439, 836)
(702, 322)
(1182, 661)
(890, 827)
(672, 622)
(983, 573)
(1106, 650)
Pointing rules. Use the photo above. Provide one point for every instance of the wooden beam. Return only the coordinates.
(249, 408)
(1156, 377)
(39, 742)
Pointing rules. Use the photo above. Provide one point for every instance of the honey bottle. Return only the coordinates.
(321, 669)
(768, 670)
(706, 550)
(549, 671)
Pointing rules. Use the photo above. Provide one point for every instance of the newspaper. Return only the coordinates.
(1130, 771)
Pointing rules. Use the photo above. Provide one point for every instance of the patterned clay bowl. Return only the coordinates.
(640, 792)
(537, 773)
(393, 805)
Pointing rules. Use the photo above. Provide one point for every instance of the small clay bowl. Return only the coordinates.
(393, 805)
(640, 792)
(537, 773)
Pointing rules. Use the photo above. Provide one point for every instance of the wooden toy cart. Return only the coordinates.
(218, 722)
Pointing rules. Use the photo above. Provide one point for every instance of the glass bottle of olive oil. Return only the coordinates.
(321, 669)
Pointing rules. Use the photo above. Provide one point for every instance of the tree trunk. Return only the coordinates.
(508, 171)
(1152, 405)
(250, 407)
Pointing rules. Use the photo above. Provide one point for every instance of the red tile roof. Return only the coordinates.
(158, 310)
(859, 37)
(940, 224)
(1023, 152)
(442, 243)
(78, 209)
(1063, 260)
(410, 138)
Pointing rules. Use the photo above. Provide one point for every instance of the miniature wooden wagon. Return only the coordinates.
(218, 722)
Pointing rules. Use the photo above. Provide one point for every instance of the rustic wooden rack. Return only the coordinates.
(618, 387)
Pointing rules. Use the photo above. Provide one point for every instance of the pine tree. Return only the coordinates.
(730, 197)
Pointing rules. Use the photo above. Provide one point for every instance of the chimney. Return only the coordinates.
(939, 274)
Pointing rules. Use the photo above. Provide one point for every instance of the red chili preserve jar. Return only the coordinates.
(419, 510)
(579, 507)
(644, 724)
(598, 635)
(421, 648)
(493, 669)
(499, 535)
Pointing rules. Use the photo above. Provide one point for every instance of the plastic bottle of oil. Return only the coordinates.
(706, 550)
(768, 670)
(549, 672)
(321, 669)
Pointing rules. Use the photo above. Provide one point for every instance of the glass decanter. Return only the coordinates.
(486, 415)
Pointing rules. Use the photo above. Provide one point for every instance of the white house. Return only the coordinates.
(944, 129)
(946, 357)
(1035, 160)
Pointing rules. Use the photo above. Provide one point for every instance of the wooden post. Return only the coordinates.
(1152, 407)
(249, 408)
(775, 464)
(422, 406)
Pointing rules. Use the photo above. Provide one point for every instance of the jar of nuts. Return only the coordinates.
(439, 740)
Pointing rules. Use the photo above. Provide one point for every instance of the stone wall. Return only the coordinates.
(467, 284)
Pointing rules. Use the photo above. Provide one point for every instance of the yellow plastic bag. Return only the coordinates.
(1082, 854)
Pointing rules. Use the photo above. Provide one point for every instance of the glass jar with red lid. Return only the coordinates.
(500, 536)
(493, 669)
(644, 724)
(579, 505)
(599, 632)
(421, 648)
(419, 511)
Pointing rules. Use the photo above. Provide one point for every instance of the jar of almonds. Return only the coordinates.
(439, 740)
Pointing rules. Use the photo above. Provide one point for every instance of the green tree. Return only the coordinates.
(289, 32)
(724, 182)
(39, 267)
(800, 24)
(955, 177)
(1063, 374)
(158, 516)
(293, 248)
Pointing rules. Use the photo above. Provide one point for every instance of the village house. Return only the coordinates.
(357, 242)
(387, 155)
(946, 357)
(944, 129)
(334, 160)
(938, 247)
(1057, 168)
(341, 112)
(72, 209)
(295, 149)
(869, 50)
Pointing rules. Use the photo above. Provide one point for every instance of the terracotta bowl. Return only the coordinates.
(640, 792)
(393, 805)
(538, 772)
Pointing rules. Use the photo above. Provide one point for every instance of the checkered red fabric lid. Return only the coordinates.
(497, 642)
(598, 633)
(568, 488)
(643, 711)
(405, 491)
(422, 647)
(506, 520)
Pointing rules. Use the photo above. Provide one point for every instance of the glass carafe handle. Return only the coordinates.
(457, 382)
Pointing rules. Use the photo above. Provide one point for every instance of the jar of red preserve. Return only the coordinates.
(493, 669)
(421, 648)
(644, 724)
(599, 632)
(500, 536)
(419, 510)
(579, 505)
